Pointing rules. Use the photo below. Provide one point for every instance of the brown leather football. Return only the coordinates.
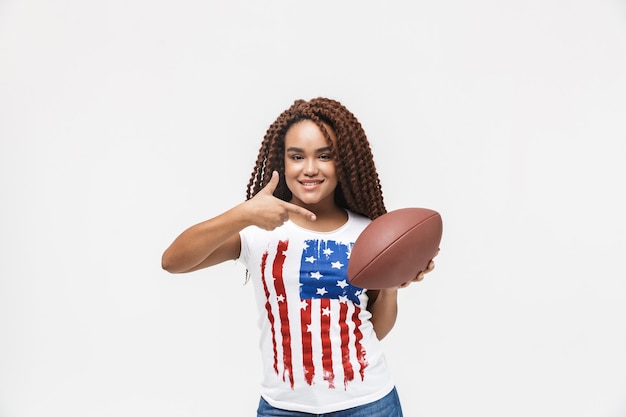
(394, 248)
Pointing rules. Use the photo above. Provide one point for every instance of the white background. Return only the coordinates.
(124, 122)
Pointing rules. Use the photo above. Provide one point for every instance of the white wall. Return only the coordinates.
(123, 122)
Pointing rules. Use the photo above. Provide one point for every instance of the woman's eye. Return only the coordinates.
(296, 157)
(326, 156)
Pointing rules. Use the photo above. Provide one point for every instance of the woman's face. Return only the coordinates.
(310, 171)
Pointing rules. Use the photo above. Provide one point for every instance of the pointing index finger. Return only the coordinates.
(293, 208)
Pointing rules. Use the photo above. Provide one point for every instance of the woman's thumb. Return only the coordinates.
(273, 183)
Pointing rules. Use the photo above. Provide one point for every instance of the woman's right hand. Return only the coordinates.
(269, 212)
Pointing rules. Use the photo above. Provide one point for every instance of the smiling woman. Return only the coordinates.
(312, 192)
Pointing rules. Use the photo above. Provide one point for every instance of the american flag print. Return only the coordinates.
(329, 307)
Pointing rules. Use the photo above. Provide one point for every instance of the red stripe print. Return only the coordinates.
(268, 308)
(348, 371)
(327, 351)
(279, 287)
(307, 342)
(360, 351)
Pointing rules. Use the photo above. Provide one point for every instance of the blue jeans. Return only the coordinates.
(388, 406)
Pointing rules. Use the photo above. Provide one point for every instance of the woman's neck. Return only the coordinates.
(327, 219)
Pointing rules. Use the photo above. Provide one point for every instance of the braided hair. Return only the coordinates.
(358, 188)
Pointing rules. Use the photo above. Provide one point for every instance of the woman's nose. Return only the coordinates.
(310, 167)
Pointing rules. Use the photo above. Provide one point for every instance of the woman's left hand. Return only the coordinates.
(420, 276)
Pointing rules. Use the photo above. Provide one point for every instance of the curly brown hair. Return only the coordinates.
(359, 188)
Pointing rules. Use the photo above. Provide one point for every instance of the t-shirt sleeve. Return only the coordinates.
(245, 237)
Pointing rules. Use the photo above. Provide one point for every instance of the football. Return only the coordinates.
(394, 248)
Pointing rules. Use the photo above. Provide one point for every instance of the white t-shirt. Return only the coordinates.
(320, 353)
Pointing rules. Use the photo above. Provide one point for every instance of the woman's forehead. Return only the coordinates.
(310, 130)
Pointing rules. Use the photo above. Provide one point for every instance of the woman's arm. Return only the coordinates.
(384, 309)
(217, 240)
(208, 243)
(384, 305)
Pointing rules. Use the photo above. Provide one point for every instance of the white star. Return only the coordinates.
(343, 299)
(316, 275)
(304, 305)
(326, 311)
(310, 259)
(343, 283)
(336, 265)
(280, 298)
(321, 291)
(327, 251)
